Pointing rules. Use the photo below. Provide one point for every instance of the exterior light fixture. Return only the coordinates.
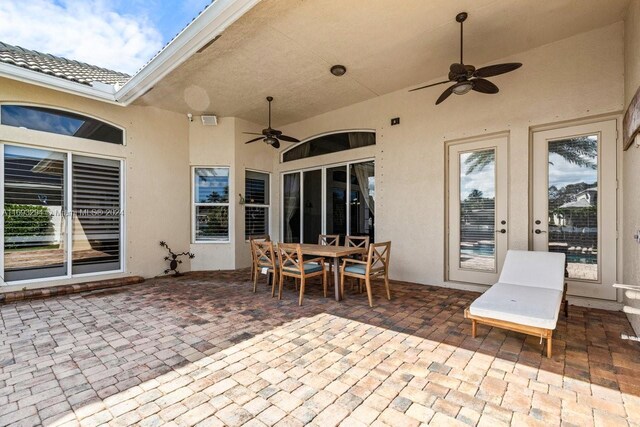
(338, 70)
(462, 88)
(270, 140)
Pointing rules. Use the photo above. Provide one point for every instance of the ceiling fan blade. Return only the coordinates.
(434, 84)
(484, 86)
(251, 133)
(276, 144)
(494, 70)
(255, 139)
(445, 94)
(288, 138)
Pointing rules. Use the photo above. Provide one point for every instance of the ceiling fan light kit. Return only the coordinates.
(269, 135)
(462, 88)
(466, 77)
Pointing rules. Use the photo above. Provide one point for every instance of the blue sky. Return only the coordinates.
(117, 34)
(169, 17)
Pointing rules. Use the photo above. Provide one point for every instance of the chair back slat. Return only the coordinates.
(252, 239)
(378, 258)
(329, 239)
(290, 256)
(357, 242)
(265, 255)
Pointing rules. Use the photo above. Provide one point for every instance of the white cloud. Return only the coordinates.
(91, 31)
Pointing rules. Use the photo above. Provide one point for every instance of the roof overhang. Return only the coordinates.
(203, 29)
(56, 83)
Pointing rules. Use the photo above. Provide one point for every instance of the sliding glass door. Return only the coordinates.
(291, 208)
(35, 228)
(63, 214)
(312, 206)
(329, 200)
(336, 206)
(97, 215)
(362, 199)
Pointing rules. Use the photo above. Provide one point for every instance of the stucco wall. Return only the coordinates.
(156, 159)
(255, 156)
(224, 145)
(213, 146)
(578, 77)
(631, 160)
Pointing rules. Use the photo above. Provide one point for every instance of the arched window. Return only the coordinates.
(60, 122)
(330, 143)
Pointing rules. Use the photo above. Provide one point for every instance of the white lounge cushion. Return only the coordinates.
(524, 305)
(538, 269)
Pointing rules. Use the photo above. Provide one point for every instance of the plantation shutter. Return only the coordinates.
(97, 215)
(256, 214)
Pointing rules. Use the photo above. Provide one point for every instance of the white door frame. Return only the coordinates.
(453, 270)
(606, 129)
(323, 168)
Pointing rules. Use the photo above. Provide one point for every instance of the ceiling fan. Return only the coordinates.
(466, 77)
(269, 135)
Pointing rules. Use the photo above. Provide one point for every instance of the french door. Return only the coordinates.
(477, 210)
(574, 203)
(336, 199)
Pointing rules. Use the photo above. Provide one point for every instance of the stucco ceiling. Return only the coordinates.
(284, 48)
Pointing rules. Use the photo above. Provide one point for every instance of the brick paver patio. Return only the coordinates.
(203, 349)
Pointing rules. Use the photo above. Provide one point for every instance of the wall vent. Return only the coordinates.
(209, 120)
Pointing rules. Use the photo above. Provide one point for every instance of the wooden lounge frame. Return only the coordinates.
(523, 329)
(516, 327)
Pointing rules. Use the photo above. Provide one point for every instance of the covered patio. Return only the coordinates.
(447, 138)
(204, 350)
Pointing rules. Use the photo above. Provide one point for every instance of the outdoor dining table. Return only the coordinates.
(334, 252)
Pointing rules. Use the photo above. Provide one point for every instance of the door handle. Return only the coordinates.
(538, 231)
(502, 230)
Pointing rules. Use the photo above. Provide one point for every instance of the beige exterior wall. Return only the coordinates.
(223, 145)
(410, 158)
(631, 160)
(259, 157)
(162, 148)
(156, 171)
(213, 146)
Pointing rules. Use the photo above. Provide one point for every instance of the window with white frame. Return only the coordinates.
(257, 204)
(211, 204)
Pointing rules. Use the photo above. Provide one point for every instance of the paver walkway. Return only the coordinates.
(204, 349)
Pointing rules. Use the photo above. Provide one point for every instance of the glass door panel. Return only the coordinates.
(336, 201)
(35, 197)
(312, 206)
(97, 215)
(291, 208)
(362, 200)
(574, 203)
(477, 210)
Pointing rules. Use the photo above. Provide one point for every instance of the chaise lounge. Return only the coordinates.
(527, 297)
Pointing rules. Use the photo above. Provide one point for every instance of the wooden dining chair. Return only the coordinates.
(266, 258)
(329, 239)
(293, 265)
(357, 242)
(262, 238)
(376, 265)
